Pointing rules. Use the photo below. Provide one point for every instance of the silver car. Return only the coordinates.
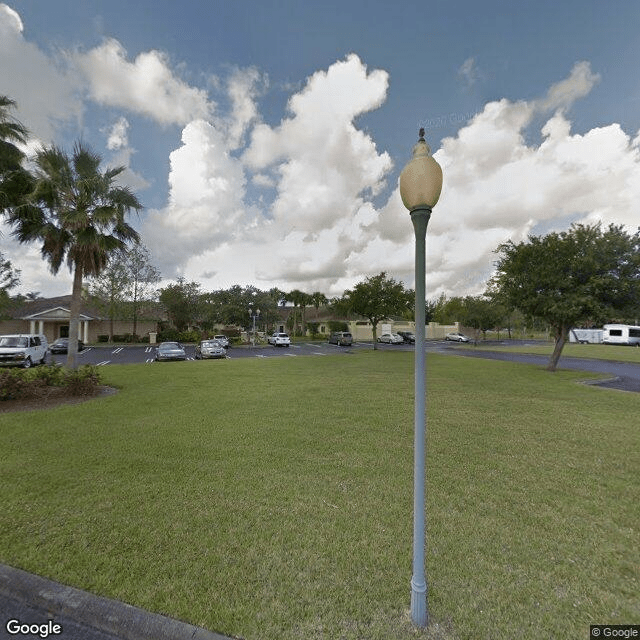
(391, 338)
(456, 337)
(170, 351)
(210, 349)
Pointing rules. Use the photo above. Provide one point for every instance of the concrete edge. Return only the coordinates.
(109, 616)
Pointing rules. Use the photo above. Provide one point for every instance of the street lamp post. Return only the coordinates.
(420, 187)
(254, 316)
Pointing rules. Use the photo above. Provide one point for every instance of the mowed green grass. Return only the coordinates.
(272, 498)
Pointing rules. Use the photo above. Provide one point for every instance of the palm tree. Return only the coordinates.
(317, 300)
(297, 297)
(13, 178)
(78, 214)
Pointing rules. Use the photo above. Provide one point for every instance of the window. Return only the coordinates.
(615, 332)
(634, 333)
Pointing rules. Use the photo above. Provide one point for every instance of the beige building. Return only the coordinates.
(50, 316)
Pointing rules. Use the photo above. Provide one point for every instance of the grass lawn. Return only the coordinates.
(617, 353)
(272, 498)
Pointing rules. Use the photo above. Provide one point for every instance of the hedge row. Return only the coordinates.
(39, 382)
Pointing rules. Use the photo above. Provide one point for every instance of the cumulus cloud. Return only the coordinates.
(147, 85)
(499, 188)
(323, 170)
(206, 207)
(118, 143)
(322, 230)
(563, 94)
(46, 94)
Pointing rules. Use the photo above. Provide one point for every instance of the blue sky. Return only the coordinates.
(265, 138)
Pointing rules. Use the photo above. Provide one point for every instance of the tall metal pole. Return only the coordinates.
(419, 608)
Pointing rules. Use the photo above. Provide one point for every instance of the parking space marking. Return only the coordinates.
(101, 364)
(118, 350)
(148, 349)
(150, 360)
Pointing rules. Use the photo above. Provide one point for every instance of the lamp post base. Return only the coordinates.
(419, 612)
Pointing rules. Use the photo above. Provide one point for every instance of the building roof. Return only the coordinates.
(52, 309)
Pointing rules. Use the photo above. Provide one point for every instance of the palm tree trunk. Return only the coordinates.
(375, 335)
(74, 318)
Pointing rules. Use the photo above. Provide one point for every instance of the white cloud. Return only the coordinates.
(292, 204)
(46, 95)
(469, 71)
(205, 207)
(147, 85)
(244, 86)
(118, 134)
(563, 94)
(323, 169)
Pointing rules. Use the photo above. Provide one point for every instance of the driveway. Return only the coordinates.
(623, 375)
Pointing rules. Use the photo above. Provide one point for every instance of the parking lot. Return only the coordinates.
(109, 354)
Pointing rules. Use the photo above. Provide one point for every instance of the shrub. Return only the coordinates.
(82, 381)
(23, 384)
(103, 338)
(168, 335)
(189, 336)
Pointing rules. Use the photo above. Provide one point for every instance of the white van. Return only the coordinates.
(23, 350)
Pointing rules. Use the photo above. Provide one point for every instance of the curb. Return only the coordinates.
(109, 616)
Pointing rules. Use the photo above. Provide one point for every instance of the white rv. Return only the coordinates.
(621, 334)
(586, 336)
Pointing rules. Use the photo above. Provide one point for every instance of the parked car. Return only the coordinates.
(210, 349)
(223, 340)
(61, 345)
(407, 336)
(279, 340)
(391, 338)
(456, 337)
(170, 351)
(341, 338)
(23, 350)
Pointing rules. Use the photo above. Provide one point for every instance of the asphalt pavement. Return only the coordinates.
(624, 376)
(34, 607)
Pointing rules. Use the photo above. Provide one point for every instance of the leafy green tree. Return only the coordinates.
(183, 302)
(481, 313)
(141, 276)
(108, 289)
(585, 274)
(78, 214)
(377, 298)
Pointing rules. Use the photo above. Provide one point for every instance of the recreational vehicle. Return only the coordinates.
(586, 336)
(621, 334)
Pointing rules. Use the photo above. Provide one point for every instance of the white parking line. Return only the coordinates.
(319, 353)
(148, 349)
(118, 350)
(291, 355)
(261, 356)
(150, 360)
(100, 364)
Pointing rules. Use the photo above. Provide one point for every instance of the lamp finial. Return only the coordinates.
(421, 133)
